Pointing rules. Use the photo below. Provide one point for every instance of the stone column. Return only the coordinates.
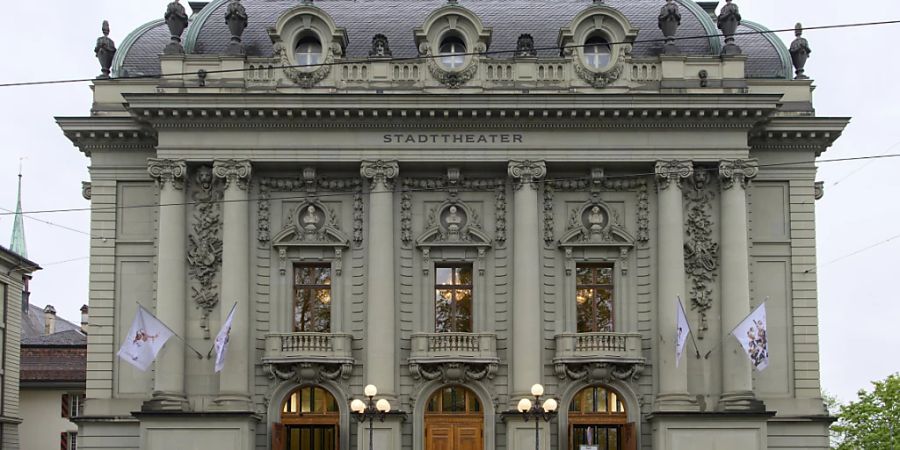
(673, 394)
(171, 279)
(737, 381)
(526, 296)
(234, 379)
(381, 342)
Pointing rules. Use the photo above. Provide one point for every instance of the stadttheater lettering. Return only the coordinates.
(453, 138)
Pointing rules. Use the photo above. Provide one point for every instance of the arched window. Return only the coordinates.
(308, 51)
(453, 400)
(597, 417)
(452, 52)
(597, 52)
(309, 421)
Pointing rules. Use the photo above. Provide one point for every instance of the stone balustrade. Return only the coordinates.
(598, 347)
(450, 347)
(297, 347)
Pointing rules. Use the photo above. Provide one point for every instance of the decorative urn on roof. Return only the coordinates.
(669, 21)
(236, 19)
(800, 52)
(177, 20)
(105, 50)
(729, 19)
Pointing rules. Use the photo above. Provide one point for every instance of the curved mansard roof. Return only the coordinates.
(396, 19)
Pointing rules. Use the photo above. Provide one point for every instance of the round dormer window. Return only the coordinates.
(597, 52)
(452, 52)
(308, 51)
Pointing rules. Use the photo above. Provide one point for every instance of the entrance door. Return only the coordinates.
(598, 421)
(309, 421)
(454, 420)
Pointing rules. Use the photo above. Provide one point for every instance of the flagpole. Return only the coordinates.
(209, 353)
(693, 339)
(199, 355)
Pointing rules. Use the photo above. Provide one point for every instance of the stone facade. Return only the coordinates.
(522, 172)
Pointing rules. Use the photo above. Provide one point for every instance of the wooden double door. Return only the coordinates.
(454, 432)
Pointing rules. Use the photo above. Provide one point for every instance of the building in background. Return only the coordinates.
(454, 201)
(52, 380)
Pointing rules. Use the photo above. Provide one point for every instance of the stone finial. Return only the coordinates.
(380, 47)
(800, 52)
(728, 21)
(236, 19)
(525, 46)
(669, 21)
(105, 50)
(177, 20)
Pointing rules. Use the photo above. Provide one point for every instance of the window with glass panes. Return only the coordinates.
(312, 298)
(597, 417)
(310, 418)
(594, 297)
(453, 298)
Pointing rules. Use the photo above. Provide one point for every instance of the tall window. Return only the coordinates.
(594, 297)
(452, 52)
(597, 418)
(597, 52)
(308, 51)
(453, 298)
(312, 298)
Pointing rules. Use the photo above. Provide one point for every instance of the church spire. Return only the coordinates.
(17, 242)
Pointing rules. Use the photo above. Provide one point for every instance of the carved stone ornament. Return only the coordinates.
(453, 79)
(525, 46)
(236, 19)
(86, 190)
(380, 172)
(177, 20)
(737, 172)
(600, 372)
(105, 51)
(380, 47)
(526, 172)
(311, 185)
(800, 52)
(303, 77)
(205, 245)
(602, 79)
(453, 224)
(701, 252)
(669, 21)
(234, 172)
(167, 171)
(728, 21)
(672, 172)
(819, 190)
(453, 372)
(309, 372)
(598, 183)
(311, 224)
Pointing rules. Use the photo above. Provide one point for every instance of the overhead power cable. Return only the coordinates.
(426, 57)
(429, 189)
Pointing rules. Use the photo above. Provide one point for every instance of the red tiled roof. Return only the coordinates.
(49, 364)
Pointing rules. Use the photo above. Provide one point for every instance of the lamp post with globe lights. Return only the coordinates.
(537, 411)
(369, 410)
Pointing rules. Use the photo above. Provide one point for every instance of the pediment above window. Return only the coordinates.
(453, 224)
(311, 224)
(595, 224)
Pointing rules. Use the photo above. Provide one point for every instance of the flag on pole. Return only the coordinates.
(751, 333)
(222, 340)
(682, 329)
(145, 338)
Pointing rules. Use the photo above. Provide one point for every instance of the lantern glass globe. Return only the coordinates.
(550, 405)
(537, 390)
(357, 406)
(371, 390)
(383, 405)
(524, 405)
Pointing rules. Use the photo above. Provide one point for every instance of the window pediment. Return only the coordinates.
(453, 223)
(311, 224)
(595, 224)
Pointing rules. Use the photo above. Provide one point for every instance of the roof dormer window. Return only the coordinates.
(597, 52)
(308, 51)
(452, 52)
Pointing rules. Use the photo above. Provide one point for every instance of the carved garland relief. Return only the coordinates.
(205, 244)
(701, 252)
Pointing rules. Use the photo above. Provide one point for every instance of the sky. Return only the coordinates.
(854, 76)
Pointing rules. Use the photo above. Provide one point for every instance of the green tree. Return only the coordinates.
(873, 421)
(833, 406)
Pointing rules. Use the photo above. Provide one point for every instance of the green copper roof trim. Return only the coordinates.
(712, 30)
(132, 37)
(783, 52)
(197, 23)
(17, 242)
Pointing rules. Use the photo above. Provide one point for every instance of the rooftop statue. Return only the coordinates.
(525, 46)
(800, 52)
(729, 19)
(380, 47)
(177, 20)
(669, 21)
(105, 50)
(236, 19)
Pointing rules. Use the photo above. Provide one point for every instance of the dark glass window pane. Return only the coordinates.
(594, 295)
(312, 298)
(453, 298)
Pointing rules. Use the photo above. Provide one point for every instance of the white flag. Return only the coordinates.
(144, 341)
(222, 340)
(751, 333)
(682, 329)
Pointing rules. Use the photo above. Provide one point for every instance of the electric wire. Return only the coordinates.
(420, 58)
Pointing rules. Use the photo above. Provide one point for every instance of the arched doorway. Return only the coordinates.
(309, 421)
(454, 420)
(598, 421)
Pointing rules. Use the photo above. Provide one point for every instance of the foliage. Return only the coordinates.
(873, 421)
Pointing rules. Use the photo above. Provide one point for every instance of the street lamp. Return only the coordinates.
(537, 411)
(367, 411)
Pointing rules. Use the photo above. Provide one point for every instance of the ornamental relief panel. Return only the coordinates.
(205, 243)
(701, 251)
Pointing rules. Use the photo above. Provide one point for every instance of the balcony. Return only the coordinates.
(308, 355)
(453, 356)
(598, 356)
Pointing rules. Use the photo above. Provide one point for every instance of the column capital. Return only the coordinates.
(737, 171)
(672, 172)
(233, 171)
(526, 171)
(165, 171)
(380, 171)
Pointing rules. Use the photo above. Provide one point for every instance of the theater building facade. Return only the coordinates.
(453, 201)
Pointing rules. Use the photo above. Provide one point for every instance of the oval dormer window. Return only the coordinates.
(597, 52)
(452, 52)
(308, 51)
